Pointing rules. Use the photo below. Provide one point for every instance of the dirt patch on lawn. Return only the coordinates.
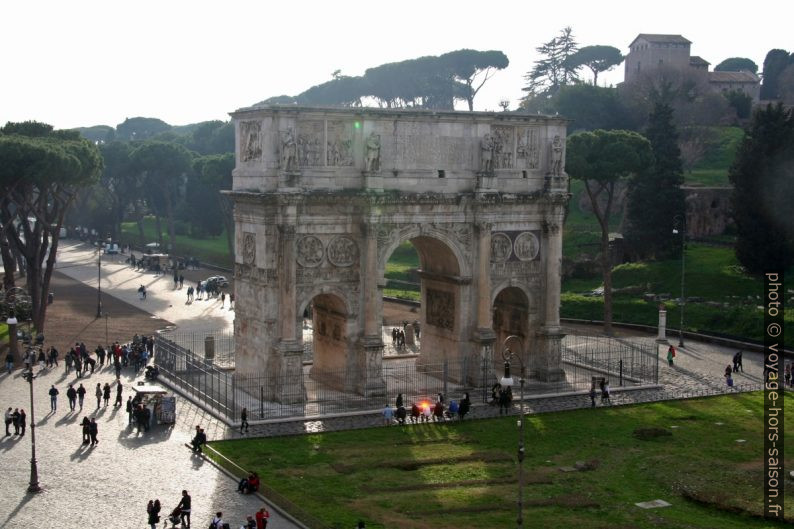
(72, 317)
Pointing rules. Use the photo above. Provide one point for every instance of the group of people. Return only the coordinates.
(181, 514)
(423, 411)
(603, 385)
(18, 419)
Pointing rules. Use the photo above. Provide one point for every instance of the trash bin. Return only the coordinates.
(50, 298)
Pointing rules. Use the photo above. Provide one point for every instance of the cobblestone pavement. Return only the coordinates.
(108, 485)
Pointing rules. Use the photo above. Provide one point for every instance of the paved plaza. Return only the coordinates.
(109, 485)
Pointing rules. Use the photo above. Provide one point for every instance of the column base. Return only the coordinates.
(290, 388)
(370, 364)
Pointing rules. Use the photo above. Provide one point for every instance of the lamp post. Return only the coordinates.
(99, 282)
(34, 471)
(508, 355)
(680, 220)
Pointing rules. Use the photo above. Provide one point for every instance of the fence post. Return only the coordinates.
(621, 371)
(261, 401)
(446, 377)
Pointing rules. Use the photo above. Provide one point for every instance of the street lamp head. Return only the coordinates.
(11, 320)
(675, 231)
(507, 380)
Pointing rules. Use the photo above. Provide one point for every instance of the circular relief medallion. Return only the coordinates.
(342, 251)
(526, 246)
(501, 248)
(310, 251)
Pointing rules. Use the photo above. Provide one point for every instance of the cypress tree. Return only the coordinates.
(655, 196)
(763, 186)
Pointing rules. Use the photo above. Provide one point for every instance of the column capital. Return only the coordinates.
(551, 227)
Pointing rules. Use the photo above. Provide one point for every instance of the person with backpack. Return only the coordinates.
(217, 521)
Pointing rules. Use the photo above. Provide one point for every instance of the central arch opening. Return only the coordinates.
(511, 318)
(329, 340)
(424, 269)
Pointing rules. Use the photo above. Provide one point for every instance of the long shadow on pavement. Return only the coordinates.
(29, 496)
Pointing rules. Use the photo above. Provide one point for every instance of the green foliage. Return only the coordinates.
(741, 102)
(589, 107)
(655, 197)
(604, 156)
(97, 133)
(207, 249)
(139, 129)
(202, 206)
(553, 70)
(597, 58)
(424, 82)
(763, 180)
(463, 474)
(737, 64)
(774, 63)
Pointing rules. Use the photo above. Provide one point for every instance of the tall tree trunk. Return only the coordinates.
(159, 229)
(228, 222)
(606, 266)
(9, 263)
(169, 211)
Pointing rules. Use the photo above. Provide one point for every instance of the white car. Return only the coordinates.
(221, 281)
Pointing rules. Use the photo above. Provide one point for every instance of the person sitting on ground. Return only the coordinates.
(400, 415)
(244, 484)
(465, 405)
(415, 413)
(453, 408)
(438, 411)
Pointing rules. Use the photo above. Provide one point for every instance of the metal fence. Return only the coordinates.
(219, 345)
(268, 396)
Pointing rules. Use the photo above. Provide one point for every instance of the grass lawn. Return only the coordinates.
(212, 250)
(401, 263)
(712, 169)
(464, 475)
(712, 273)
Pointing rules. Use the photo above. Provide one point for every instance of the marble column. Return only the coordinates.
(484, 336)
(370, 361)
(289, 364)
(550, 366)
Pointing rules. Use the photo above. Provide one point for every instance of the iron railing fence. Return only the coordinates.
(219, 345)
(335, 391)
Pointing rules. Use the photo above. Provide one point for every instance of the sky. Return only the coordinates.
(84, 62)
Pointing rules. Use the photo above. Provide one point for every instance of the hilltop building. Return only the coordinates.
(649, 52)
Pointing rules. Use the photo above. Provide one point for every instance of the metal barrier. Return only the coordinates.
(340, 391)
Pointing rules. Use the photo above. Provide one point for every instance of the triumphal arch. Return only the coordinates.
(322, 197)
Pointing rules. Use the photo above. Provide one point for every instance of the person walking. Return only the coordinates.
(261, 518)
(465, 406)
(592, 395)
(130, 409)
(244, 420)
(80, 396)
(15, 420)
(10, 362)
(53, 356)
(106, 394)
(86, 426)
(53, 398)
(42, 358)
(93, 430)
(184, 509)
(119, 402)
(9, 418)
(71, 396)
(23, 422)
(217, 521)
(181, 281)
(153, 512)
(670, 355)
(739, 355)
(98, 394)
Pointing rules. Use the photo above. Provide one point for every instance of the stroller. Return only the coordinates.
(173, 518)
